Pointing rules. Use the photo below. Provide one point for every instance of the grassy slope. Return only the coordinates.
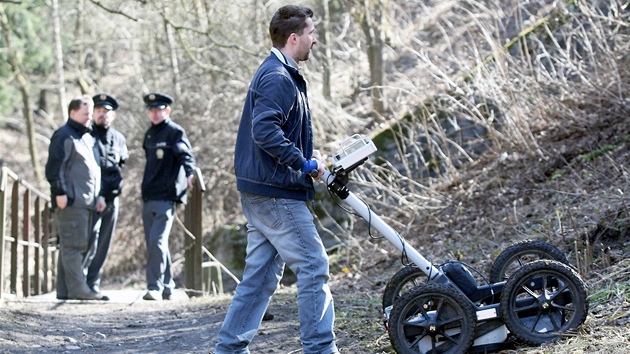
(577, 194)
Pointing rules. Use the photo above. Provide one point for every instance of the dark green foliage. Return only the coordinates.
(32, 42)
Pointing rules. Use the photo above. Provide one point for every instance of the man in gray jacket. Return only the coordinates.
(75, 179)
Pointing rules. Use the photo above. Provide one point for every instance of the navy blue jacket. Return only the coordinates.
(169, 162)
(275, 135)
(114, 154)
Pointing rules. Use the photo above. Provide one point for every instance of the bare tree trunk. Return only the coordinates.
(59, 58)
(201, 13)
(23, 86)
(372, 24)
(79, 30)
(171, 48)
(327, 60)
(261, 32)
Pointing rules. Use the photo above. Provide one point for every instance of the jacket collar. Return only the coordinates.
(284, 59)
(80, 128)
(161, 124)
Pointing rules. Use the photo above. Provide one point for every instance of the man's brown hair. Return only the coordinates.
(288, 19)
(77, 102)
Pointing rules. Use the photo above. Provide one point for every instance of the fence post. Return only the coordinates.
(26, 251)
(3, 225)
(189, 271)
(194, 246)
(37, 282)
(45, 244)
(14, 234)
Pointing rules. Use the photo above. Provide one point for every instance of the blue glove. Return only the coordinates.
(310, 166)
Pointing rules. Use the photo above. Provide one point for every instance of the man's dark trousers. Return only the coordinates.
(108, 226)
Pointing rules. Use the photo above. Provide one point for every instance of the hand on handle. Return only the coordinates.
(313, 167)
(310, 166)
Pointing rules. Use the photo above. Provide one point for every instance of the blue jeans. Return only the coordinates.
(279, 231)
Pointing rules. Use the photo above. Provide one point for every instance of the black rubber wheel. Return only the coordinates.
(405, 279)
(432, 318)
(542, 300)
(518, 254)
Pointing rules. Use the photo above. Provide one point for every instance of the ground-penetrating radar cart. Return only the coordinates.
(533, 295)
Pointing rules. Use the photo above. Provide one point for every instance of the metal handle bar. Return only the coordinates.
(390, 234)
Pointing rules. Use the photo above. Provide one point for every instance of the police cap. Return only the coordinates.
(105, 100)
(158, 100)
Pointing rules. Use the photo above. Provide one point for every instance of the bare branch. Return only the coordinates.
(112, 11)
(191, 56)
(179, 28)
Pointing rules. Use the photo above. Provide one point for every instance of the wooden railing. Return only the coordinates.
(26, 220)
(25, 213)
(201, 276)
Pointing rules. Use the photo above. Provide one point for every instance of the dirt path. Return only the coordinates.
(128, 324)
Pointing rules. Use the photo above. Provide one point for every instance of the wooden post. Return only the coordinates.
(37, 252)
(45, 244)
(26, 248)
(197, 230)
(188, 251)
(194, 245)
(3, 225)
(14, 235)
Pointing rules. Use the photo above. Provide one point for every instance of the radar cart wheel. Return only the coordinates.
(542, 300)
(432, 318)
(404, 280)
(518, 254)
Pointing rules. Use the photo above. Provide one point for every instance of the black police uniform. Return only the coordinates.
(169, 160)
(114, 155)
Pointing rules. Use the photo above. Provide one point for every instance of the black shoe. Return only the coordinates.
(62, 298)
(167, 296)
(267, 316)
(152, 295)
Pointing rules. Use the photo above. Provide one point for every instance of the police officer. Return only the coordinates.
(114, 154)
(169, 170)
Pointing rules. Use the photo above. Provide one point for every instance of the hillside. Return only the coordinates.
(504, 121)
(578, 194)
